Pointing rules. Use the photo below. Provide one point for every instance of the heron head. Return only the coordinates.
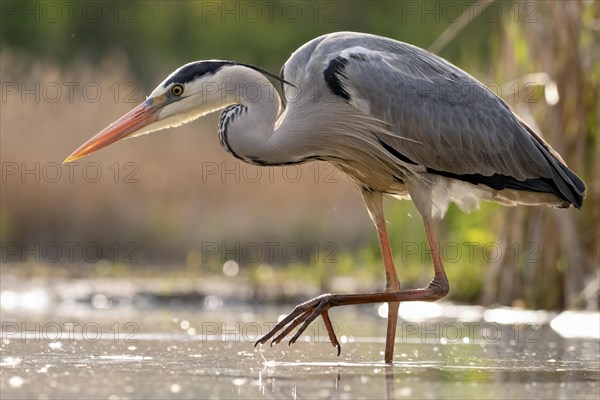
(190, 92)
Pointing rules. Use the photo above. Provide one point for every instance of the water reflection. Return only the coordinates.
(390, 390)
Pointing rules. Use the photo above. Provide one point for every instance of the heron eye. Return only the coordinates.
(177, 90)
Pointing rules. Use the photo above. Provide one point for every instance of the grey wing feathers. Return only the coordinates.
(442, 118)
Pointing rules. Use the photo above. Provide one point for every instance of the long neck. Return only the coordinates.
(247, 127)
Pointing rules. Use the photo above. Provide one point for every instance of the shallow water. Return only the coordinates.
(58, 342)
(81, 352)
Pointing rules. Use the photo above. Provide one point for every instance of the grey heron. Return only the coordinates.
(396, 119)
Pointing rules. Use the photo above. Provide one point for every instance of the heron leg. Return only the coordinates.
(439, 284)
(308, 311)
(392, 284)
(374, 202)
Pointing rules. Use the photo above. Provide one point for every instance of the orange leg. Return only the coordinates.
(308, 311)
(391, 285)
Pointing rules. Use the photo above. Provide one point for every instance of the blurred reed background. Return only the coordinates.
(175, 201)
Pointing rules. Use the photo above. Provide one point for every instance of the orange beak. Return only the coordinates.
(134, 120)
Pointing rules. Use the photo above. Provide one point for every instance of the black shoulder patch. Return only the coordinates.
(194, 70)
(332, 75)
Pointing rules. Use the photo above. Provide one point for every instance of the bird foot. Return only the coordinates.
(304, 314)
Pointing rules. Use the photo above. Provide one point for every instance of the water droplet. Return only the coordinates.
(239, 381)
(212, 302)
(55, 345)
(230, 268)
(15, 381)
(101, 302)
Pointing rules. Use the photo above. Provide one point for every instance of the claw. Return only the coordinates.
(304, 314)
(331, 332)
(290, 327)
(307, 321)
